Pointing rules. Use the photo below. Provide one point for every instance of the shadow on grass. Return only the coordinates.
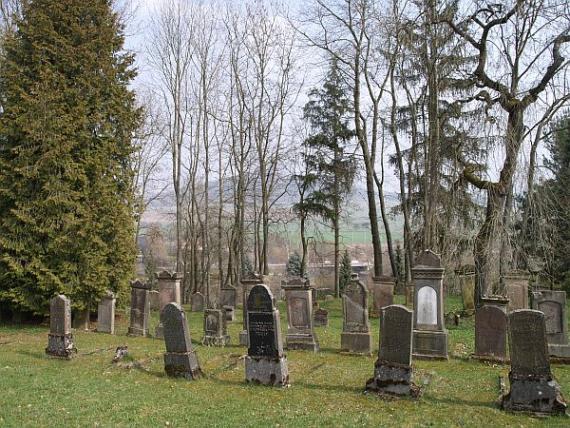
(39, 355)
(459, 401)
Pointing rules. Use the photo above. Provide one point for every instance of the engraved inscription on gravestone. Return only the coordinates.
(553, 304)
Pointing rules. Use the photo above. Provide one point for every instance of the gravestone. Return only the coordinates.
(60, 339)
(247, 283)
(430, 335)
(230, 313)
(81, 320)
(140, 309)
(393, 369)
(516, 288)
(355, 336)
(321, 318)
(265, 362)
(228, 296)
(468, 291)
(382, 289)
(106, 314)
(409, 290)
(491, 333)
(532, 387)
(553, 305)
(180, 360)
(314, 297)
(168, 291)
(300, 331)
(197, 302)
(215, 331)
(154, 298)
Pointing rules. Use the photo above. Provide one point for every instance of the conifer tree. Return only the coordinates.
(293, 267)
(66, 214)
(345, 270)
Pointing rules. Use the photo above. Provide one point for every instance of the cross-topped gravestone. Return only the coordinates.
(60, 339)
(215, 331)
(553, 305)
(180, 360)
(430, 335)
(300, 331)
(265, 362)
(393, 369)
(140, 309)
(247, 283)
(355, 336)
(533, 388)
(106, 314)
(491, 333)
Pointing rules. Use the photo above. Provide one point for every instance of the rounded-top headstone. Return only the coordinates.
(260, 299)
(529, 348)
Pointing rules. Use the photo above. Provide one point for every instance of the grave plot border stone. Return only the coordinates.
(300, 337)
(219, 337)
(532, 386)
(393, 368)
(181, 359)
(265, 363)
(60, 339)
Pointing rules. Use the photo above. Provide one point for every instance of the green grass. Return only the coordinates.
(326, 388)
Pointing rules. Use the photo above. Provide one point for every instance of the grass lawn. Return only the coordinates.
(326, 388)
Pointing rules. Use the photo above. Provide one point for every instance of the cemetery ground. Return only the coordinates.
(327, 388)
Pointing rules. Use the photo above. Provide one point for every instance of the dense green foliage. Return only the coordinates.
(345, 271)
(293, 267)
(66, 217)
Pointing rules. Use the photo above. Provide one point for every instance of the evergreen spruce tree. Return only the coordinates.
(293, 267)
(66, 214)
(345, 271)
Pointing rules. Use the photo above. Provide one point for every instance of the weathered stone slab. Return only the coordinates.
(168, 291)
(230, 313)
(247, 284)
(265, 362)
(532, 387)
(106, 314)
(215, 330)
(516, 288)
(430, 335)
(382, 289)
(140, 309)
(393, 369)
(300, 331)
(154, 297)
(228, 296)
(81, 319)
(197, 302)
(491, 333)
(468, 292)
(355, 336)
(553, 305)
(60, 339)
(321, 318)
(180, 360)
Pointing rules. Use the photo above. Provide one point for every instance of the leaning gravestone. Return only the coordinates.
(382, 288)
(60, 339)
(355, 336)
(516, 287)
(553, 305)
(215, 331)
(300, 331)
(168, 291)
(430, 335)
(321, 318)
(393, 369)
(180, 360)
(491, 333)
(265, 362)
(197, 302)
(140, 309)
(533, 388)
(106, 314)
(247, 283)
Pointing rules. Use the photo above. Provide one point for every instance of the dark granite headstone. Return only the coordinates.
(180, 360)
(106, 314)
(247, 283)
(393, 369)
(215, 331)
(532, 387)
(265, 362)
(60, 339)
(140, 309)
(553, 305)
(355, 336)
(491, 333)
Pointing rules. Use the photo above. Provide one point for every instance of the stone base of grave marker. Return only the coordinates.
(182, 364)
(358, 343)
(430, 345)
(61, 345)
(243, 338)
(393, 379)
(305, 342)
(230, 313)
(536, 394)
(267, 372)
(216, 340)
(321, 318)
